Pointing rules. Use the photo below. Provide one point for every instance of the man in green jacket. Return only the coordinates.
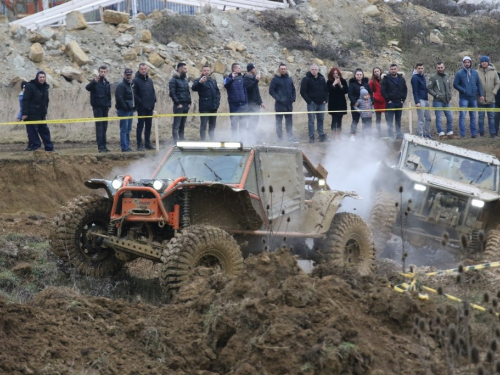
(490, 82)
(439, 87)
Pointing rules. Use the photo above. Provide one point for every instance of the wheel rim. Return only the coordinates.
(88, 246)
(211, 259)
(352, 250)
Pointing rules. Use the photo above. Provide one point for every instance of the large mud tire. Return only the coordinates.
(492, 248)
(349, 243)
(383, 217)
(199, 245)
(70, 243)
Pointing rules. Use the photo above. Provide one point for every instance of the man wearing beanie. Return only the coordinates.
(490, 83)
(468, 85)
(251, 83)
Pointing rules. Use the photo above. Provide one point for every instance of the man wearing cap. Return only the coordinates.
(490, 83)
(255, 103)
(179, 92)
(468, 84)
(100, 100)
(125, 106)
(237, 98)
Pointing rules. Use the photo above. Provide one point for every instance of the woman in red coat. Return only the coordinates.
(378, 99)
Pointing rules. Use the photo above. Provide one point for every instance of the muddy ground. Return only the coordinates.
(274, 319)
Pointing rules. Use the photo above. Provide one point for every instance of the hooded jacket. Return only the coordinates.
(179, 89)
(314, 89)
(236, 92)
(124, 96)
(36, 99)
(419, 87)
(365, 106)
(355, 88)
(100, 93)
(209, 94)
(144, 91)
(468, 84)
(282, 90)
(252, 86)
(490, 83)
(392, 92)
(439, 87)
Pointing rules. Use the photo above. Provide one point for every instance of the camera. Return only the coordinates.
(208, 78)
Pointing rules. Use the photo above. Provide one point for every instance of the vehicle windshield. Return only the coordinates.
(217, 166)
(459, 168)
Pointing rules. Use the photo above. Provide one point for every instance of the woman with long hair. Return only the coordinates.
(378, 99)
(337, 104)
(356, 83)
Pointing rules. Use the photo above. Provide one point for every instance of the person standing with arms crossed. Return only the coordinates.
(100, 100)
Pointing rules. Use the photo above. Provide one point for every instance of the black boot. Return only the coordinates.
(140, 147)
(149, 146)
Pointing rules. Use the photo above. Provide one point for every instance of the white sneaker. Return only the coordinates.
(352, 139)
(449, 133)
(441, 134)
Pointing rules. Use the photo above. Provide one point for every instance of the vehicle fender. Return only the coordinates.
(101, 184)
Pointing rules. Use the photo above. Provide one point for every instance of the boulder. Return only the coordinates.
(75, 21)
(193, 73)
(129, 53)
(219, 78)
(36, 53)
(235, 46)
(436, 37)
(124, 40)
(145, 36)
(75, 53)
(371, 11)
(141, 16)
(113, 17)
(290, 59)
(318, 62)
(18, 32)
(43, 35)
(156, 14)
(218, 67)
(72, 74)
(174, 45)
(155, 59)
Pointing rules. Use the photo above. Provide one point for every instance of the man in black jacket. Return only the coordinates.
(125, 106)
(282, 90)
(179, 92)
(394, 91)
(35, 106)
(100, 100)
(313, 90)
(209, 101)
(255, 103)
(145, 99)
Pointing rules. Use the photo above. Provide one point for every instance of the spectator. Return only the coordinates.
(313, 90)
(100, 100)
(497, 114)
(179, 92)
(378, 99)
(490, 83)
(209, 101)
(468, 85)
(282, 90)
(237, 98)
(20, 115)
(355, 85)
(125, 107)
(365, 109)
(145, 99)
(251, 82)
(421, 97)
(439, 87)
(394, 91)
(337, 103)
(35, 106)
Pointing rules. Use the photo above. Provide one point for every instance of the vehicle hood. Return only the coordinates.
(451, 185)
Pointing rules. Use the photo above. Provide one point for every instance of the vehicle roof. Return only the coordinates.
(476, 155)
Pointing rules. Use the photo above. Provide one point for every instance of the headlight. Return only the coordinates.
(321, 182)
(477, 203)
(158, 185)
(420, 187)
(117, 183)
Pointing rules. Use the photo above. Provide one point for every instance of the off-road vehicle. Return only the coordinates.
(447, 191)
(205, 200)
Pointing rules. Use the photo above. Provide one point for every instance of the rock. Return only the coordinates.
(371, 11)
(397, 49)
(393, 43)
(18, 32)
(52, 44)
(155, 59)
(436, 38)
(174, 45)
(145, 36)
(203, 61)
(75, 53)
(43, 35)
(155, 14)
(224, 23)
(346, 74)
(318, 62)
(125, 27)
(218, 67)
(235, 46)
(113, 17)
(36, 53)
(129, 53)
(9, 248)
(290, 59)
(71, 74)
(75, 21)
(322, 70)
(124, 40)
(193, 73)
(219, 78)
(141, 16)
(19, 61)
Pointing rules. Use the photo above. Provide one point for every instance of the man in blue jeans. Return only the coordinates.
(490, 83)
(237, 98)
(439, 87)
(313, 90)
(468, 85)
(125, 106)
